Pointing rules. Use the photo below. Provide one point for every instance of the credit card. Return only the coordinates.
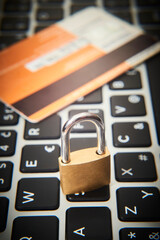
(53, 68)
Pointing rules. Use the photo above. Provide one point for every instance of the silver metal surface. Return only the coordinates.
(81, 117)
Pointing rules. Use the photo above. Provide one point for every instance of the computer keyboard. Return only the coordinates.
(32, 204)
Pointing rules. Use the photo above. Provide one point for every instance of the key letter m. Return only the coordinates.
(28, 197)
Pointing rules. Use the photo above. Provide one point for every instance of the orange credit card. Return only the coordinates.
(48, 71)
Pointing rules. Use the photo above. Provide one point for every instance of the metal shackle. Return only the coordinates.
(81, 117)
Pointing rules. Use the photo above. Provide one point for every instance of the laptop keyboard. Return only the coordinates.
(32, 205)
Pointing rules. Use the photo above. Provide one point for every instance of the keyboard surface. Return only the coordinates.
(32, 205)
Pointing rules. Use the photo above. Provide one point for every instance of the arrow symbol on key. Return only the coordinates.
(119, 109)
(4, 148)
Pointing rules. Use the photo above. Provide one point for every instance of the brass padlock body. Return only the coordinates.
(85, 172)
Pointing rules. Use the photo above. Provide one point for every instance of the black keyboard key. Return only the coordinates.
(101, 194)
(6, 40)
(129, 80)
(48, 14)
(153, 30)
(116, 4)
(92, 98)
(128, 105)
(50, 1)
(39, 28)
(131, 134)
(135, 167)
(149, 17)
(154, 72)
(6, 169)
(17, 24)
(140, 233)
(125, 15)
(148, 3)
(40, 158)
(85, 126)
(37, 194)
(7, 142)
(79, 5)
(81, 143)
(7, 116)
(89, 223)
(84, 1)
(46, 129)
(35, 227)
(4, 204)
(138, 204)
(20, 1)
(16, 6)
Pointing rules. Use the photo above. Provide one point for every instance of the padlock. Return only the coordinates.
(86, 169)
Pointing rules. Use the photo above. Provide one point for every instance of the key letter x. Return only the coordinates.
(127, 171)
